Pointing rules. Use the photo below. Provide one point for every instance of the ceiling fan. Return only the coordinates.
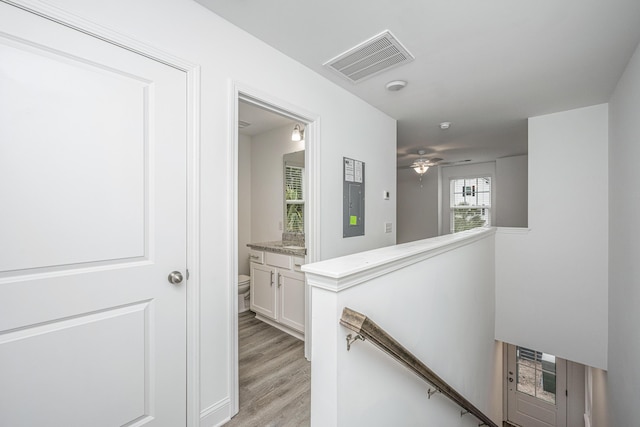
(422, 164)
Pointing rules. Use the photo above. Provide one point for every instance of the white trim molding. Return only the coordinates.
(217, 411)
(512, 230)
(239, 91)
(341, 273)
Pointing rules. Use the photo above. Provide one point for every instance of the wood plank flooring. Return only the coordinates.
(275, 378)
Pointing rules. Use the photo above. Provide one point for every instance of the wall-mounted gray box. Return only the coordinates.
(353, 198)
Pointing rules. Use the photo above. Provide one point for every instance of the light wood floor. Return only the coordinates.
(275, 378)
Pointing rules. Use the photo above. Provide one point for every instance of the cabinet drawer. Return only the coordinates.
(256, 256)
(278, 260)
(298, 262)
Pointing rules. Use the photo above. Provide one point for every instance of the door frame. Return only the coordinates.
(240, 91)
(192, 73)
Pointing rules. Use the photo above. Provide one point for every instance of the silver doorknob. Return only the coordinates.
(175, 277)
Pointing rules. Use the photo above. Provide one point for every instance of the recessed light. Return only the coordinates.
(445, 125)
(396, 85)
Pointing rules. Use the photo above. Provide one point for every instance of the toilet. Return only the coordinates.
(244, 284)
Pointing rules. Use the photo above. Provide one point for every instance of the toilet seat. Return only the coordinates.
(244, 283)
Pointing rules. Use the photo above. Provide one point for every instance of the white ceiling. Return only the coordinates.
(484, 65)
(259, 119)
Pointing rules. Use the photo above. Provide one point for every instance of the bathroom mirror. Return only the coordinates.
(294, 159)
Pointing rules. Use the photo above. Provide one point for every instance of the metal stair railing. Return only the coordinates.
(366, 329)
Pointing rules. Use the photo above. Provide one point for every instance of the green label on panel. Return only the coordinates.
(353, 220)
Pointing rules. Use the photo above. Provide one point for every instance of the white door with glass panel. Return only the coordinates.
(92, 230)
(536, 388)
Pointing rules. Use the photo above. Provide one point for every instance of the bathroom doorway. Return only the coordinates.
(255, 110)
(264, 138)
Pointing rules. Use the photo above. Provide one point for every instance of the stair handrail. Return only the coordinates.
(368, 330)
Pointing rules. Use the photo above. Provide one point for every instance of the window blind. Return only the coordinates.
(470, 203)
(293, 180)
(294, 199)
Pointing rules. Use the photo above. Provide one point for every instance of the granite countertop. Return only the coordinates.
(280, 247)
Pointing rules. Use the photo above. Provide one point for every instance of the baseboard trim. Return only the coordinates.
(216, 414)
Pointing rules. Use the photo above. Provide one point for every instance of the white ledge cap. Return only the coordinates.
(340, 273)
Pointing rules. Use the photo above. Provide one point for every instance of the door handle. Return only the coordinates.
(175, 277)
(272, 278)
(279, 279)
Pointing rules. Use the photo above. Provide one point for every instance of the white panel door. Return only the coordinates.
(536, 388)
(92, 221)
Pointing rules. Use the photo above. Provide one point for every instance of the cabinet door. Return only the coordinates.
(263, 291)
(291, 309)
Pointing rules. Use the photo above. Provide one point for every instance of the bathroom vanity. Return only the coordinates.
(277, 285)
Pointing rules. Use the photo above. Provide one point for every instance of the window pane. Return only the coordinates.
(470, 203)
(536, 374)
(526, 354)
(468, 218)
(526, 379)
(295, 218)
(483, 199)
(293, 183)
(294, 199)
(484, 184)
(546, 386)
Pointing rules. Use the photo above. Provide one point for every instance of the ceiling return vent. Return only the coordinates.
(379, 53)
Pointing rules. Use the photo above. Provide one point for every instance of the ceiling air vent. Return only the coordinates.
(378, 54)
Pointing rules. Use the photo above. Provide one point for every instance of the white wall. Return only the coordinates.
(348, 127)
(244, 202)
(417, 206)
(624, 230)
(551, 283)
(408, 290)
(464, 171)
(511, 192)
(374, 143)
(267, 182)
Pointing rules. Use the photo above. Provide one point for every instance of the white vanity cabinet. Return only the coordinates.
(263, 295)
(291, 299)
(277, 290)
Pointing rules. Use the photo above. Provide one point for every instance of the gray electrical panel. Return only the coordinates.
(353, 198)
